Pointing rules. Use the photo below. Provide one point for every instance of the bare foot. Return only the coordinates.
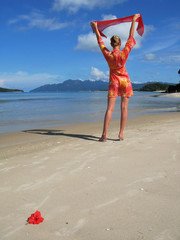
(103, 139)
(120, 136)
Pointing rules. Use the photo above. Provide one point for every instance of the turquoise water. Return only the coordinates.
(21, 111)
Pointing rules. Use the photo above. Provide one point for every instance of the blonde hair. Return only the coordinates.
(115, 41)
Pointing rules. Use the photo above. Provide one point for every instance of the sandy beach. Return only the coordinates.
(88, 190)
(169, 95)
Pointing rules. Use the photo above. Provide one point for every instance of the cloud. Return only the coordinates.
(108, 17)
(169, 58)
(26, 81)
(150, 56)
(163, 50)
(163, 44)
(74, 5)
(96, 75)
(87, 42)
(37, 19)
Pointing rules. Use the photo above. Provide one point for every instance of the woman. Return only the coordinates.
(119, 82)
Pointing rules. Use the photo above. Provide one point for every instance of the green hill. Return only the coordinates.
(10, 90)
(151, 87)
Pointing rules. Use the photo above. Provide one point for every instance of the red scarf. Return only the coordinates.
(104, 24)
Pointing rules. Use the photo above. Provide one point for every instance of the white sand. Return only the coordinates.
(90, 190)
(171, 95)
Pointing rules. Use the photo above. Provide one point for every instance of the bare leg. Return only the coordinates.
(108, 115)
(124, 113)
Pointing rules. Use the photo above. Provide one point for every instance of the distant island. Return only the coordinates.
(10, 90)
(78, 85)
(73, 86)
(87, 85)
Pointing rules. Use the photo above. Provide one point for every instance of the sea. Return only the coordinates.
(24, 111)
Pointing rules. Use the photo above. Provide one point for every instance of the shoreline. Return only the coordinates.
(30, 137)
(132, 113)
(87, 189)
(53, 113)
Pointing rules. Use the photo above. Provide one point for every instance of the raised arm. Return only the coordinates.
(94, 25)
(131, 32)
(104, 50)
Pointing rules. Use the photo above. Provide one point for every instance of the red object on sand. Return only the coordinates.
(104, 24)
(35, 218)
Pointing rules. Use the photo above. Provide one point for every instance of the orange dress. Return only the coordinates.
(119, 82)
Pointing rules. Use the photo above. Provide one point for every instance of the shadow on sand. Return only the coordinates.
(61, 133)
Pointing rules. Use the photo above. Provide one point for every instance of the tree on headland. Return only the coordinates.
(151, 87)
(10, 90)
(174, 88)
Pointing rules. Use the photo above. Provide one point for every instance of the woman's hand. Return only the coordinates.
(95, 28)
(94, 25)
(136, 16)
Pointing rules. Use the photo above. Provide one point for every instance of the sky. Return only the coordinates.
(50, 41)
